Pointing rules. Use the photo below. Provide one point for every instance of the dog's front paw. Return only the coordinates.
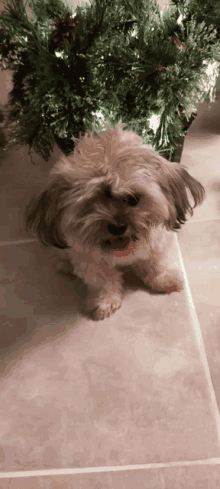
(167, 282)
(106, 308)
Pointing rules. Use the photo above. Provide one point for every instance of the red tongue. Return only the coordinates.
(126, 251)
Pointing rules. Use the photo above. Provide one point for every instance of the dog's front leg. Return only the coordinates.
(159, 276)
(104, 288)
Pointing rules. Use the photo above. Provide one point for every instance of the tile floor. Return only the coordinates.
(129, 402)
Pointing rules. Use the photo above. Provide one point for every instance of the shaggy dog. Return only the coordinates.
(114, 202)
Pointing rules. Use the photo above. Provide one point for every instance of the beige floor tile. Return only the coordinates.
(75, 393)
(21, 178)
(200, 247)
(201, 155)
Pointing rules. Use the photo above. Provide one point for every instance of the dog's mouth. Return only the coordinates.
(119, 243)
(122, 245)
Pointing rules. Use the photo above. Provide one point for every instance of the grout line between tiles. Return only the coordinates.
(200, 341)
(18, 241)
(107, 468)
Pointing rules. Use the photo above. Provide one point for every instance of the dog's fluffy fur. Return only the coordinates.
(114, 202)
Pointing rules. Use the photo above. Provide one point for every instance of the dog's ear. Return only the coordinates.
(177, 186)
(43, 216)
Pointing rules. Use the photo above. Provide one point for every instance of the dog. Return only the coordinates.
(113, 202)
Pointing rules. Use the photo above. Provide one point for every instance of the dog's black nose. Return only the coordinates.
(117, 230)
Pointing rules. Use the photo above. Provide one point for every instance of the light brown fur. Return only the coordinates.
(112, 195)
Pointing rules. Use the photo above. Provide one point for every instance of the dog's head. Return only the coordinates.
(112, 190)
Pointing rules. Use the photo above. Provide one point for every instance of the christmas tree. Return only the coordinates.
(73, 70)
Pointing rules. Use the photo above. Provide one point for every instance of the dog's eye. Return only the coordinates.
(132, 200)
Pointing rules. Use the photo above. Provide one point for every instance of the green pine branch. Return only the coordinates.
(107, 60)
